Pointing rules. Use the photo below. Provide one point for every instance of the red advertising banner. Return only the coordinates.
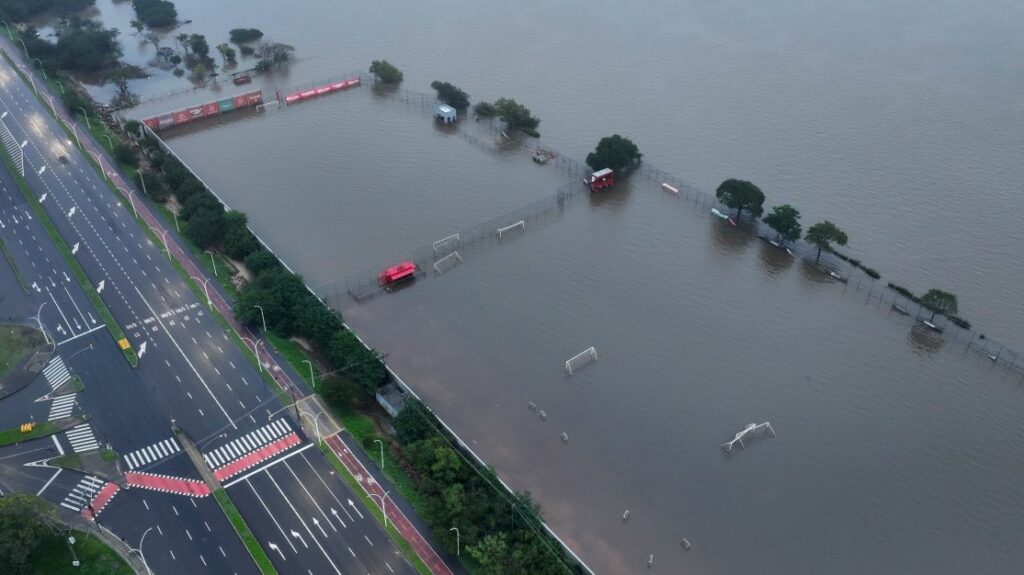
(205, 110)
(211, 109)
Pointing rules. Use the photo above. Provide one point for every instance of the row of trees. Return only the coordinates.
(154, 13)
(24, 10)
(83, 45)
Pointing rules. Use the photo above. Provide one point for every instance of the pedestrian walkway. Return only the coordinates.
(248, 443)
(106, 493)
(256, 457)
(167, 484)
(56, 373)
(81, 438)
(151, 453)
(82, 493)
(62, 406)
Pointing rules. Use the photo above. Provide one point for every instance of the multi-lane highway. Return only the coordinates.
(190, 375)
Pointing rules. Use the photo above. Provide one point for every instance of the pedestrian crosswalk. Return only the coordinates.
(56, 373)
(62, 406)
(82, 493)
(152, 453)
(82, 438)
(247, 443)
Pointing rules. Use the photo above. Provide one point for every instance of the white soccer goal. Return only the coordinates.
(670, 189)
(520, 225)
(13, 148)
(447, 262)
(581, 359)
(445, 245)
(748, 430)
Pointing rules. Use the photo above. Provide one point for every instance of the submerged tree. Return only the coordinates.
(785, 220)
(741, 195)
(451, 95)
(614, 152)
(938, 301)
(516, 116)
(823, 234)
(386, 72)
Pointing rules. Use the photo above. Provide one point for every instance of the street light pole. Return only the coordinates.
(206, 288)
(8, 26)
(139, 551)
(456, 530)
(40, 322)
(43, 70)
(212, 259)
(255, 351)
(163, 234)
(382, 508)
(381, 443)
(312, 382)
(263, 317)
(23, 45)
(109, 141)
(131, 199)
(86, 114)
(61, 86)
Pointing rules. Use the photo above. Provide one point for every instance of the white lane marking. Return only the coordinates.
(101, 326)
(306, 527)
(66, 322)
(76, 305)
(194, 370)
(311, 498)
(272, 518)
(269, 465)
(40, 492)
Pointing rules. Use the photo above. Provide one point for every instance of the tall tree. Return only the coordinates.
(785, 220)
(386, 72)
(614, 152)
(938, 301)
(22, 526)
(516, 116)
(451, 95)
(741, 195)
(823, 234)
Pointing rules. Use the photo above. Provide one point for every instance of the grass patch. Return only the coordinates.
(109, 455)
(14, 434)
(370, 504)
(69, 461)
(258, 554)
(293, 353)
(65, 252)
(16, 341)
(53, 557)
(14, 267)
(76, 384)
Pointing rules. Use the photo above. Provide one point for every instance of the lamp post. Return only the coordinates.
(61, 86)
(381, 443)
(206, 288)
(23, 45)
(312, 382)
(86, 114)
(316, 425)
(163, 234)
(213, 260)
(456, 530)
(255, 351)
(41, 69)
(382, 509)
(263, 317)
(109, 141)
(39, 313)
(131, 199)
(8, 26)
(139, 551)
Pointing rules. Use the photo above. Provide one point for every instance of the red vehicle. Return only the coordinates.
(396, 273)
(239, 80)
(600, 179)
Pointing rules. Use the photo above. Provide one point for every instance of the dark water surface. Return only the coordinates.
(901, 122)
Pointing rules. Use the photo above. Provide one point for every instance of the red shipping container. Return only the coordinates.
(240, 101)
(153, 123)
(181, 117)
(211, 109)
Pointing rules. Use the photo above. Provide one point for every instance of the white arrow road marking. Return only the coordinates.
(142, 349)
(298, 536)
(273, 546)
(25, 143)
(71, 212)
(60, 328)
(317, 523)
(42, 198)
(41, 170)
(102, 284)
(66, 278)
(334, 512)
(352, 504)
(74, 248)
(35, 286)
(92, 319)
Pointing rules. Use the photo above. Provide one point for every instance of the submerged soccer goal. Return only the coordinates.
(520, 225)
(447, 262)
(580, 360)
(446, 245)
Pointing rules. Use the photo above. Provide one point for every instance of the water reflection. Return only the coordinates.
(774, 260)
(814, 274)
(617, 196)
(729, 238)
(924, 339)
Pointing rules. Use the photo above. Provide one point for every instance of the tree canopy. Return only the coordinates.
(516, 116)
(785, 220)
(614, 152)
(155, 13)
(386, 72)
(938, 301)
(22, 527)
(83, 45)
(823, 234)
(741, 195)
(243, 35)
(451, 95)
(22, 10)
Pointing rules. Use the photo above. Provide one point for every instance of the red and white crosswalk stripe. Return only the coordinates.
(152, 453)
(248, 443)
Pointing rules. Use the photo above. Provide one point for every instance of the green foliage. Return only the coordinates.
(74, 102)
(412, 423)
(175, 59)
(247, 50)
(614, 152)
(238, 241)
(53, 557)
(83, 45)
(261, 261)
(243, 35)
(485, 110)
(272, 53)
(356, 362)
(124, 154)
(206, 227)
(785, 220)
(23, 524)
(938, 301)
(823, 234)
(198, 45)
(451, 95)
(741, 195)
(342, 392)
(516, 116)
(203, 201)
(386, 72)
(22, 10)
(155, 13)
(244, 533)
(227, 52)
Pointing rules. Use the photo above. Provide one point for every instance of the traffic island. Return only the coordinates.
(31, 430)
(23, 353)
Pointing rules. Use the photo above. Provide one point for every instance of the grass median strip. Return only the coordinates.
(14, 434)
(14, 267)
(393, 533)
(258, 554)
(76, 268)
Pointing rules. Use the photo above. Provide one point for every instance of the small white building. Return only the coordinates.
(446, 114)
